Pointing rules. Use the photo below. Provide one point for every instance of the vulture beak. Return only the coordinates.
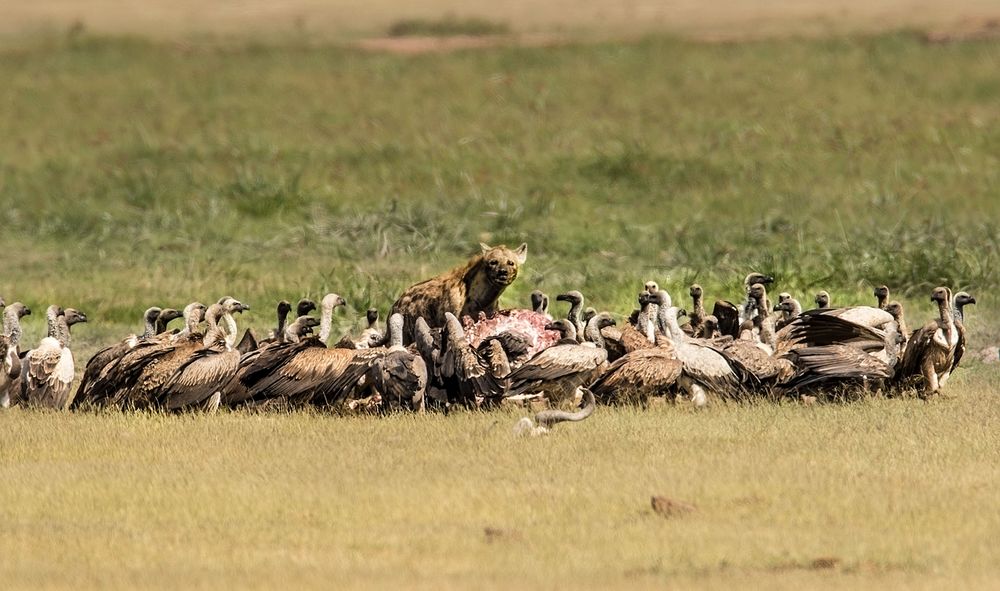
(776, 308)
(971, 301)
(341, 301)
(27, 311)
(563, 297)
(767, 279)
(551, 326)
(83, 317)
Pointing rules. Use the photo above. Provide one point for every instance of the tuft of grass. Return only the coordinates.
(447, 26)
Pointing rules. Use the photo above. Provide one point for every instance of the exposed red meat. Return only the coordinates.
(523, 322)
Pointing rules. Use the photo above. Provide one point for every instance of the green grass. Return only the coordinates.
(135, 173)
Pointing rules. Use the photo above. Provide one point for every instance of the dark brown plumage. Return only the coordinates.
(638, 376)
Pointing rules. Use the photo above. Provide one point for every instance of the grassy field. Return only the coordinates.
(135, 173)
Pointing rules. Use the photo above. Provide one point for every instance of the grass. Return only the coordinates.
(135, 173)
(893, 493)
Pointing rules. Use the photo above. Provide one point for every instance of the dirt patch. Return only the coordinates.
(418, 45)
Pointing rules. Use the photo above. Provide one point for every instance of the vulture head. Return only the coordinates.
(232, 305)
(601, 320)
(20, 309)
(696, 292)
(661, 298)
(302, 326)
(710, 326)
(332, 300)
(304, 307)
(164, 318)
(539, 302)
(757, 278)
(74, 316)
(881, 294)
(284, 308)
(788, 307)
(941, 295)
(651, 287)
(783, 296)
(589, 313)
(574, 298)
(564, 327)
(195, 312)
(372, 317)
(822, 300)
(963, 299)
(151, 315)
(895, 309)
(758, 292)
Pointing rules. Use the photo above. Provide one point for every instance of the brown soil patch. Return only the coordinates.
(418, 45)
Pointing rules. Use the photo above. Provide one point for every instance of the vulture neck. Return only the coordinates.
(667, 318)
(190, 325)
(957, 313)
(52, 322)
(229, 329)
(593, 333)
(395, 332)
(279, 334)
(765, 325)
(947, 320)
(575, 315)
(796, 310)
(892, 344)
(149, 329)
(645, 322)
(325, 322)
(697, 315)
(12, 327)
(62, 331)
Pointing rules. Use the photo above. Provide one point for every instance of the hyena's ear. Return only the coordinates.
(486, 247)
(522, 253)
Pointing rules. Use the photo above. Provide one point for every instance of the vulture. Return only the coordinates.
(822, 300)
(575, 313)
(278, 334)
(301, 328)
(111, 354)
(704, 367)
(620, 342)
(398, 375)
(545, 419)
(228, 322)
(296, 374)
(638, 376)
(165, 317)
(10, 380)
(959, 302)
(539, 302)
(558, 371)
(199, 381)
(731, 316)
(135, 378)
(467, 377)
(48, 370)
(861, 356)
(881, 294)
(757, 355)
(895, 309)
(930, 352)
(790, 309)
(696, 318)
(327, 305)
(370, 336)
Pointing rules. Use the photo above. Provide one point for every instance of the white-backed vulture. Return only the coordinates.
(959, 302)
(296, 374)
(49, 367)
(558, 371)
(467, 377)
(638, 376)
(930, 352)
(164, 318)
(789, 308)
(10, 371)
(109, 355)
(327, 305)
(134, 380)
(731, 316)
(228, 321)
(199, 381)
(546, 419)
(540, 302)
(575, 313)
(895, 309)
(881, 294)
(822, 300)
(705, 368)
(696, 318)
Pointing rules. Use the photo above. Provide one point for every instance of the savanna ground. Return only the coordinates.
(136, 172)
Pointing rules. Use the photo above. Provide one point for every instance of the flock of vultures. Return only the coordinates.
(741, 350)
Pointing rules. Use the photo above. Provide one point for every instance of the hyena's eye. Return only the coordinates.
(493, 263)
(510, 263)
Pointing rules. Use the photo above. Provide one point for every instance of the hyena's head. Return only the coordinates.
(501, 263)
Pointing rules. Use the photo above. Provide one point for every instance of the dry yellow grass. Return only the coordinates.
(887, 494)
(346, 18)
